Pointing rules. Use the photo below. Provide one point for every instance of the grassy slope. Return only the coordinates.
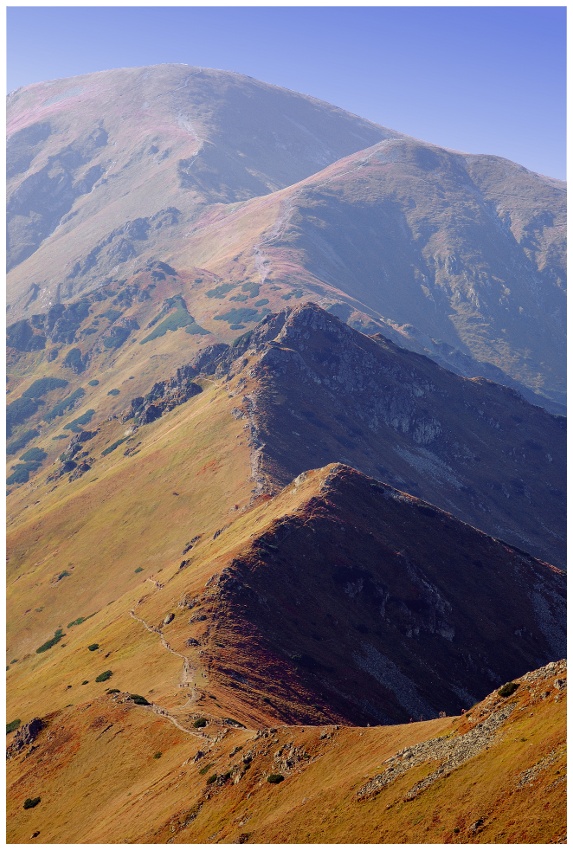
(191, 470)
(96, 786)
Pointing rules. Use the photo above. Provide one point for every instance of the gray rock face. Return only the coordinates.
(25, 736)
(163, 396)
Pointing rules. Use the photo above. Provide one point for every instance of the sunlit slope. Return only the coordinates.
(495, 775)
(81, 548)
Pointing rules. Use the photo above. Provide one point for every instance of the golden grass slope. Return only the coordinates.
(113, 772)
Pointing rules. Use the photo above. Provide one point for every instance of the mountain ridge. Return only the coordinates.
(482, 286)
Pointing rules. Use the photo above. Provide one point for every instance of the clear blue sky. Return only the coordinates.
(476, 79)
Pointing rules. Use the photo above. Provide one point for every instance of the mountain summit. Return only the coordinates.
(460, 257)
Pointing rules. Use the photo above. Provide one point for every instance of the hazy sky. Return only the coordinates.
(476, 79)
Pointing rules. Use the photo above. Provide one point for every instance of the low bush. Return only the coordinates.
(220, 291)
(113, 392)
(180, 318)
(212, 778)
(113, 446)
(157, 755)
(34, 455)
(74, 360)
(508, 689)
(20, 442)
(275, 778)
(200, 723)
(21, 473)
(93, 646)
(18, 411)
(12, 726)
(43, 385)
(94, 382)
(65, 405)
(117, 336)
(138, 699)
(31, 802)
(76, 425)
(58, 635)
(238, 315)
(77, 622)
(103, 677)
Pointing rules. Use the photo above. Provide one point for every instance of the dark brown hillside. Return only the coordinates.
(314, 391)
(368, 604)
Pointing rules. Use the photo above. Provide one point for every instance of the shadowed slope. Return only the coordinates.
(314, 391)
(381, 606)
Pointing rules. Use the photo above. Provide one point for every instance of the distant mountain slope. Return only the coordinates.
(460, 257)
(314, 391)
(88, 154)
(457, 252)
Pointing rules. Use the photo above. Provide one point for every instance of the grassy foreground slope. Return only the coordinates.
(113, 772)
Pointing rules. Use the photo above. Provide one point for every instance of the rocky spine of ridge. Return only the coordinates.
(418, 613)
(314, 391)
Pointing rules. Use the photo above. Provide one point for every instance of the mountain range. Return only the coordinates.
(286, 460)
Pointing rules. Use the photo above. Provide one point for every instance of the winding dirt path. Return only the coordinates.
(186, 679)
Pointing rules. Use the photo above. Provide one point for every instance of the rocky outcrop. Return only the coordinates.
(163, 396)
(75, 460)
(487, 724)
(25, 736)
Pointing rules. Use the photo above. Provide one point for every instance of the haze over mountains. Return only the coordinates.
(258, 184)
(260, 474)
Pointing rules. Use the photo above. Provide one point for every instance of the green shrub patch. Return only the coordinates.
(42, 386)
(34, 455)
(220, 291)
(20, 442)
(21, 473)
(18, 411)
(508, 689)
(58, 635)
(138, 699)
(65, 405)
(12, 726)
(76, 425)
(113, 446)
(103, 677)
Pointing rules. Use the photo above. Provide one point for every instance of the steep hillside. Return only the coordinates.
(118, 163)
(314, 391)
(459, 251)
(418, 612)
(236, 183)
(495, 775)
